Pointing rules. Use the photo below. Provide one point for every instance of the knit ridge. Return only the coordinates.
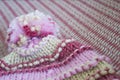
(36, 53)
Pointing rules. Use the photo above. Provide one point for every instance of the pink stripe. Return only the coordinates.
(102, 25)
(31, 4)
(77, 60)
(7, 22)
(117, 63)
(114, 9)
(67, 25)
(108, 16)
(23, 9)
(20, 6)
(4, 17)
(9, 8)
(115, 59)
(89, 28)
(117, 1)
(71, 27)
(1, 36)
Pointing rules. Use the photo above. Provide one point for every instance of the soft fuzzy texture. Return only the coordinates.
(31, 27)
(37, 53)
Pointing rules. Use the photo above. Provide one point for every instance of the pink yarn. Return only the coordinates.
(110, 77)
(46, 24)
(57, 73)
(72, 58)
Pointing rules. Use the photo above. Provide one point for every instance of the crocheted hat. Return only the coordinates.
(36, 53)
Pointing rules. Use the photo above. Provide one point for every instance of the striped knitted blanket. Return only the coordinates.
(93, 22)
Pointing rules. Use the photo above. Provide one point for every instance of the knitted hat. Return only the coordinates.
(36, 53)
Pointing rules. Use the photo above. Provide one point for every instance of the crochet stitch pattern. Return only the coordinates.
(36, 53)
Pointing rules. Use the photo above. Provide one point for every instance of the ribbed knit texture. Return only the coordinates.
(92, 22)
(68, 60)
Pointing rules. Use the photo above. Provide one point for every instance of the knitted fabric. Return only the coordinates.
(41, 55)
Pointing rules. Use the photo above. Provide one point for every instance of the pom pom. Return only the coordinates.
(32, 25)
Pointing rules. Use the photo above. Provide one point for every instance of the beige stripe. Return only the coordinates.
(3, 49)
(116, 58)
(83, 32)
(35, 3)
(6, 25)
(25, 6)
(103, 33)
(16, 9)
(118, 72)
(117, 67)
(92, 40)
(63, 29)
(66, 18)
(100, 17)
(6, 11)
(101, 30)
(104, 9)
(87, 11)
(67, 31)
(3, 25)
(112, 3)
(78, 24)
(38, 6)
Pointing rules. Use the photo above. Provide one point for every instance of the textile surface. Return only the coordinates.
(93, 22)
